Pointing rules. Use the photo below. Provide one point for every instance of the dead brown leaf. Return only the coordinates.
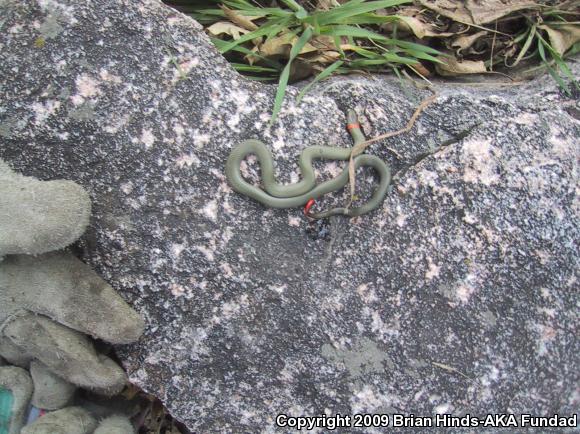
(130, 392)
(453, 67)
(227, 28)
(325, 57)
(421, 69)
(412, 20)
(281, 46)
(325, 5)
(300, 69)
(323, 42)
(562, 37)
(465, 41)
(414, 25)
(477, 11)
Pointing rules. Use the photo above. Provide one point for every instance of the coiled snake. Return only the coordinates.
(306, 191)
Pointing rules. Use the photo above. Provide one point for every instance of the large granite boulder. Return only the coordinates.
(457, 296)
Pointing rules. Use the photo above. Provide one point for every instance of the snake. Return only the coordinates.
(304, 192)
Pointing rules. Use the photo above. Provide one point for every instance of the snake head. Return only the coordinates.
(351, 117)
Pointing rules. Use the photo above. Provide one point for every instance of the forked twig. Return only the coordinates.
(360, 147)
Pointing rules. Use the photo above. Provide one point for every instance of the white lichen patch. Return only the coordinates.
(187, 65)
(226, 269)
(367, 399)
(278, 144)
(563, 145)
(526, 118)
(210, 210)
(233, 307)
(443, 408)
(432, 270)
(176, 249)
(200, 139)
(178, 129)
(17, 28)
(233, 121)
(464, 291)
(87, 86)
(377, 324)
(543, 255)
(401, 218)
(147, 137)
(127, 187)
(77, 99)
(279, 289)
(469, 218)
(332, 169)
(107, 76)
(42, 111)
(294, 221)
(187, 160)
(480, 159)
(410, 184)
(208, 253)
(546, 335)
(177, 290)
(116, 123)
(367, 293)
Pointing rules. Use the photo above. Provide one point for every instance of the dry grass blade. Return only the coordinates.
(285, 75)
(450, 369)
(238, 19)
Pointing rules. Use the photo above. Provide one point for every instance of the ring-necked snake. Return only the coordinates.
(306, 191)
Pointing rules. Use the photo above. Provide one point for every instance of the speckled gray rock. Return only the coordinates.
(458, 296)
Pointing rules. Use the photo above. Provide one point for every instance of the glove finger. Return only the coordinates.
(13, 405)
(115, 425)
(67, 353)
(62, 287)
(58, 211)
(51, 392)
(13, 354)
(70, 420)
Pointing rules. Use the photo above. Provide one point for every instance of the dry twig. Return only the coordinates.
(360, 147)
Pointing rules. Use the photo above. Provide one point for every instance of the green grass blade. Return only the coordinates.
(257, 78)
(293, 5)
(526, 45)
(573, 50)
(323, 74)
(541, 51)
(216, 12)
(337, 45)
(395, 58)
(542, 44)
(347, 10)
(566, 71)
(413, 46)
(283, 82)
(559, 80)
(424, 56)
(252, 68)
(364, 52)
(353, 2)
(368, 62)
(370, 18)
(350, 31)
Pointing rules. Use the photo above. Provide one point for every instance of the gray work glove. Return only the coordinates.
(44, 390)
(50, 301)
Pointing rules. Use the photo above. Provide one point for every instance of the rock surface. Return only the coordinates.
(459, 295)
